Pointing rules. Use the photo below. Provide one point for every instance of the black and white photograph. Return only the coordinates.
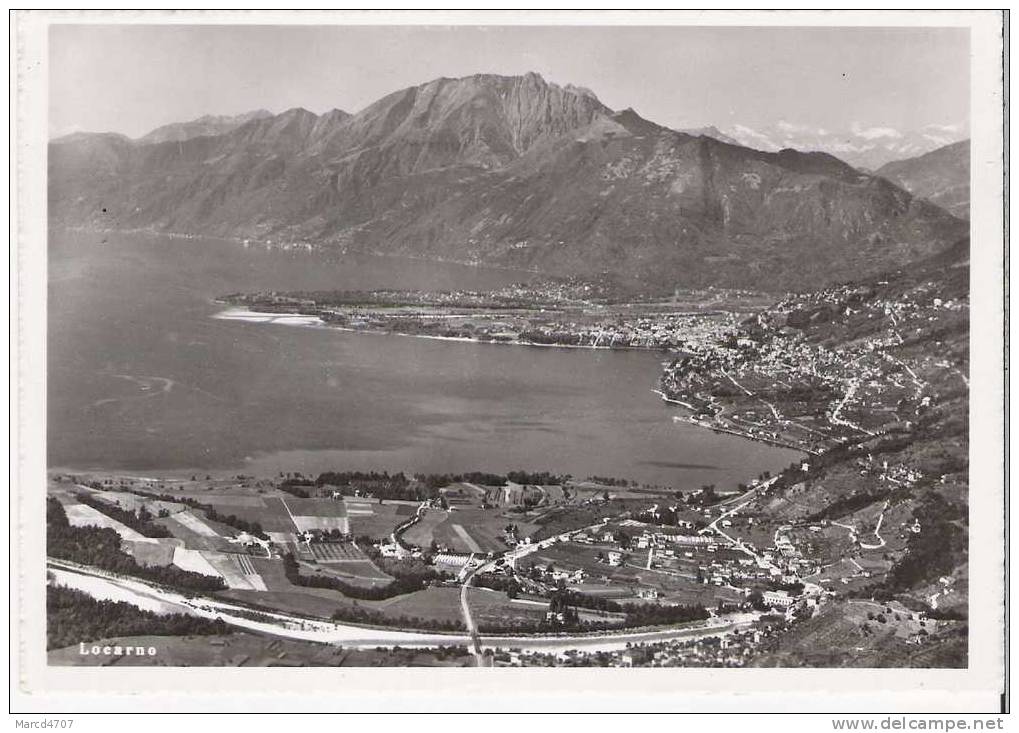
(516, 345)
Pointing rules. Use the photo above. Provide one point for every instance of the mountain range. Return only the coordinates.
(866, 148)
(204, 126)
(509, 171)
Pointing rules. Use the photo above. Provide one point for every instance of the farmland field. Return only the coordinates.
(309, 523)
(315, 507)
(442, 604)
(271, 572)
(82, 515)
(475, 530)
(180, 526)
(272, 514)
(195, 524)
(223, 500)
(132, 502)
(333, 552)
(434, 603)
(236, 570)
(311, 601)
(517, 495)
(423, 532)
(153, 553)
(493, 607)
(317, 514)
(358, 571)
(282, 594)
(268, 511)
(194, 561)
(373, 519)
(468, 541)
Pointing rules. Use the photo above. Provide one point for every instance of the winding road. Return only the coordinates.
(809, 588)
(472, 629)
(877, 532)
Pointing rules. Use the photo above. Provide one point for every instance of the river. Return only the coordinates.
(142, 378)
(105, 587)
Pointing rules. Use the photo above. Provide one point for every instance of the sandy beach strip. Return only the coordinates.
(283, 319)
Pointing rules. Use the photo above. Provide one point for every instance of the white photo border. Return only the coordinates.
(36, 686)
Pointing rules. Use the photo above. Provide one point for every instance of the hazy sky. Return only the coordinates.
(132, 79)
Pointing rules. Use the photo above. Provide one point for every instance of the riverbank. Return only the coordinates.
(106, 586)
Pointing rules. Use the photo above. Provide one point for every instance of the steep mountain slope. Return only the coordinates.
(873, 376)
(202, 127)
(512, 171)
(941, 177)
(484, 120)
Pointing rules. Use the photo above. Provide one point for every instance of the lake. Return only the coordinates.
(143, 378)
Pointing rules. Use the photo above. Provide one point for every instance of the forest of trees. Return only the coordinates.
(609, 481)
(437, 480)
(360, 615)
(649, 614)
(73, 616)
(553, 337)
(706, 496)
(637, 614)
(380, 484)
(538, 478)
(301, 488)
(100, 547)
(406, 568)
(936, 550)
(595, 603)
(504, 583)
(794, 589)
(846, 505)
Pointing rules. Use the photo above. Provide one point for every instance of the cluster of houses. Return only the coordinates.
(667, 331)
(781, 564)
(867, 377)
(896, 475)
(732, 650)
(571, 577)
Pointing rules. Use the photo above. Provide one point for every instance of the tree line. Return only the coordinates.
(847, 505)
(435, 480)
(141, 522)
(360, 615)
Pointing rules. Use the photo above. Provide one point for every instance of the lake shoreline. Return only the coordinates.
(299, 319)
(257, 401)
